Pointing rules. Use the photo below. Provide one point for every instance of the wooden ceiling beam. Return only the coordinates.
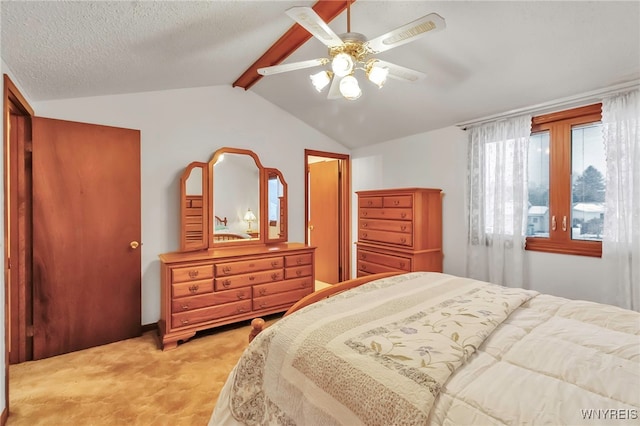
(289, 43)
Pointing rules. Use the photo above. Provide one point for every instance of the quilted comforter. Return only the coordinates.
(430, 348)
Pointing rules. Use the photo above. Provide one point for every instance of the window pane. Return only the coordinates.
(588, 170)
(538, 213)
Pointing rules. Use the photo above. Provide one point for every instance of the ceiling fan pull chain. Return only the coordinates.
(348, 16)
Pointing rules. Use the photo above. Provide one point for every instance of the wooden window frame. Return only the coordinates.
(559, 125)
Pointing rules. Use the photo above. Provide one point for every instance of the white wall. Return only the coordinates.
(437, 159)
(180, 126)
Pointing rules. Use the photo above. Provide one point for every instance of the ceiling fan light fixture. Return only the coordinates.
(342, 64)
(349, 88)
(320, 80)
(377, 75)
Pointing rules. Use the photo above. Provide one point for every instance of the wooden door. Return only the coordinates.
(86, 222)
(323, 219)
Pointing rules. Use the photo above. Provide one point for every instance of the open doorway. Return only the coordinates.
(328, 212)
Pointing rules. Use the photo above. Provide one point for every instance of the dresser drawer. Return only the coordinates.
(396, 262)
(242, 267)
(192, 273)
(374, 268)
(282, 286)
(388, 237)
(235, 281)
(370, 202)
(185, 319)
(386, 225)
(399, 213)
(279, 299)
(298, 259)
(398, 201)
(192, 288)
(210, 299)
(298, 272)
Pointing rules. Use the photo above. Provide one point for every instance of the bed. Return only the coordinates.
(223, 233)
(431, 348)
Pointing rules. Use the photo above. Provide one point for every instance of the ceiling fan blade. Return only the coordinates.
(334, 89)
(406, 33)
(276, 69)
(401, 73)
(310, 21)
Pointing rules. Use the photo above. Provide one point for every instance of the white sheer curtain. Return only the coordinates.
(621, 240)
(497, 198)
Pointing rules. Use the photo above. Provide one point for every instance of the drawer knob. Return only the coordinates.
(262, 292)
(185, 307)
(263, 305)
(274, 263)
(226, 283)
(193, 274)
(226, 269)
(363, 256)
(364, 213)
(194, 288)
(241, 295)
(403, 240)
(299, 261)
(402, 264)
(364, 267)
(252, 265)
(184, 321)
(304, 284)
(364, 235)
(403, 215)
(275, 276)
(251, 278)
(241, 310)
(364, 225)
(369, 202)
(403, 228)
(396, 202)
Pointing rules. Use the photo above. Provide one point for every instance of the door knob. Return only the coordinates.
(311, 227)
(134, 244)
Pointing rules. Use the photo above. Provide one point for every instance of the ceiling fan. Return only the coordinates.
(352, 51)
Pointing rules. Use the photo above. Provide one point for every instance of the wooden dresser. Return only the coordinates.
(209, 288)
(399, 230)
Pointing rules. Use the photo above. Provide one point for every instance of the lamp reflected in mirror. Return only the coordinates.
(249, 217)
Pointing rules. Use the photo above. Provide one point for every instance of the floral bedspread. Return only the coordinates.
(376, 355)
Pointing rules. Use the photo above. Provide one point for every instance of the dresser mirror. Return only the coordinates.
(232, 200)
(277, 206)
(194, 197)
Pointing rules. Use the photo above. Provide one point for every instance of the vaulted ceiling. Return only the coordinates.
(491, 58)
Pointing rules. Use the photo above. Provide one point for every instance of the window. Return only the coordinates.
(566, 182)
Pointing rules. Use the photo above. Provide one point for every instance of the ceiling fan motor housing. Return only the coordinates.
(353, 45)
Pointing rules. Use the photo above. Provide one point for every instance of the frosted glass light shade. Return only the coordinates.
(378, 75)
(342, 64)
(320, 80)
(350, 88)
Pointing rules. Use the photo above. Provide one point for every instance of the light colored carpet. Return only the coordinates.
(130, 382)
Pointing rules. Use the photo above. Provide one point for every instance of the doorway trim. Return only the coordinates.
(13, 103)
(344, 207)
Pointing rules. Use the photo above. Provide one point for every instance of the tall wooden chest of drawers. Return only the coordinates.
(206, 289)
(399, 230)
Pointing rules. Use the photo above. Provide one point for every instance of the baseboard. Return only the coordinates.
(149, 327)
(4, 417)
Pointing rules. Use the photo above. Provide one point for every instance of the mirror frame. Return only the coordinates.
(194, 234)
(205, 233)
(284, 207)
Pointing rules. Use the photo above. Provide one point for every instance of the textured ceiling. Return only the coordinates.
(492, 57)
